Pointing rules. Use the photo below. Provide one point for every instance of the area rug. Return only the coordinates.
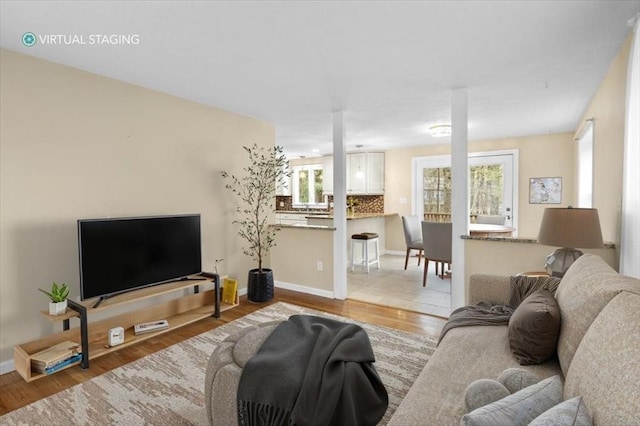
(167, 387)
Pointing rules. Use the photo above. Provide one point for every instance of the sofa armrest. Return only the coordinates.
(492, 288)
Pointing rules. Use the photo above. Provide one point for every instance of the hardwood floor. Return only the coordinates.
(16, 393)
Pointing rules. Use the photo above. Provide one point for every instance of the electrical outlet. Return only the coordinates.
(281, 203)
(319, 265)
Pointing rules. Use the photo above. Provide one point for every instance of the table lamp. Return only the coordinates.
(568, 228)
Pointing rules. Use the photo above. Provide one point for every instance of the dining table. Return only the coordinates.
(490, 230)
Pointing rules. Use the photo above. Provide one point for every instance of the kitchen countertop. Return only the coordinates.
(303, 226)
(607, 245)
(354, 216)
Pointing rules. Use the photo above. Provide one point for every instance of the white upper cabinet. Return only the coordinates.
(365, 173)
(357, 173)
(327, 175)
(375, 173)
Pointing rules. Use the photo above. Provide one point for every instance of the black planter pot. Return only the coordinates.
(260, 285)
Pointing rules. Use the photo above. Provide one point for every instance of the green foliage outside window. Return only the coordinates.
(485, 190)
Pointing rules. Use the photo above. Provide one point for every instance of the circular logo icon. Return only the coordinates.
(29, 39)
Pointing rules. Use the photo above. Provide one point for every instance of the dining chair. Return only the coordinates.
(490, 219)
(436, 237)
(412, 236)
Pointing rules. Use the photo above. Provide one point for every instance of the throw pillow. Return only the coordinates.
(572, 412)
(515, 379)
(483, 392)
(534, 328)
(521, 286)
(519, 408)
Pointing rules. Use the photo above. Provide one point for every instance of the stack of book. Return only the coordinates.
(229, 291)
(56, 357)
(149, 327)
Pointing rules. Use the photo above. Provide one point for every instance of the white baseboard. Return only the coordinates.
(304, 289)
(7, 367)
(396, 253)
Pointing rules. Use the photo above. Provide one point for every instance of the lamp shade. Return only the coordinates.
(570, 227)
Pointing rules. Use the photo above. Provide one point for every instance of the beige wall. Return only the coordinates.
(535, 161)
(294, 259)
(607, 108)
(502, 258)
(75, 145)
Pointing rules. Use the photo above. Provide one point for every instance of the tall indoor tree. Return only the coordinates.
(255, 193)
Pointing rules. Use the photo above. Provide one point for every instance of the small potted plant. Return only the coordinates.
(58, 296)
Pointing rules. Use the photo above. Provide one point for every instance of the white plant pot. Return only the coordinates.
(57, 308)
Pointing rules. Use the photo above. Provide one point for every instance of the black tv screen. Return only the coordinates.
(118, 255)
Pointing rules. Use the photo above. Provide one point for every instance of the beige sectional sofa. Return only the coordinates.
(598, 352)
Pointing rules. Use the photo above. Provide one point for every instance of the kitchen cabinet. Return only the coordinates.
(375, 173)
(357, 173)
(291, 218)
(327, 175)
(365, 173)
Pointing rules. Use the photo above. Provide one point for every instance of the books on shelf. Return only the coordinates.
(62, 364)
(149, 327)
(229, 290)
(55, 355)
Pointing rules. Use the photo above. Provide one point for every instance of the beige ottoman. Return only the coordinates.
(224, 370)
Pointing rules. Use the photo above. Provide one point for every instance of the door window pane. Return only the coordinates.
(437, 190)
(486, 190)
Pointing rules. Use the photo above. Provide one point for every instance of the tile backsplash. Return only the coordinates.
(365, 203)
(284, 202)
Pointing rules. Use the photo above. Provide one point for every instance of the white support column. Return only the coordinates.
(339, 206)
(460, 192)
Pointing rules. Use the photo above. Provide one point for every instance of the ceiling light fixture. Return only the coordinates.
(440, 131)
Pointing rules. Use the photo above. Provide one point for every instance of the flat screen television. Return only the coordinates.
(124, 254)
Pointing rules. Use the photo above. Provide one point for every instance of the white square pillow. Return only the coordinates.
(572, 412)
(519, 408)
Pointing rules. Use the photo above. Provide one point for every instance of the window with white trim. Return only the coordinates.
(306, 185)
(585, 166)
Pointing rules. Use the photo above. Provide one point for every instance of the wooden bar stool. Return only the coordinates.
(364, 239)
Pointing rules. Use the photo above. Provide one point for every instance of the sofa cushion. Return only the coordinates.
(585, 289)
(519, 408)
(605, 370)
(465, 354)
(482, 392)
(534, 328)
(571, 412)
(515, 379)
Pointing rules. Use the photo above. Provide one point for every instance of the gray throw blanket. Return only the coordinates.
(312, 371)
(486, 313)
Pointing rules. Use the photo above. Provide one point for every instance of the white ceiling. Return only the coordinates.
(531, 67)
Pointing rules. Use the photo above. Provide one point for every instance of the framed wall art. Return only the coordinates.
(545, 190)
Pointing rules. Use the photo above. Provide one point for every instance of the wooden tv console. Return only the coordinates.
(93, 335)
